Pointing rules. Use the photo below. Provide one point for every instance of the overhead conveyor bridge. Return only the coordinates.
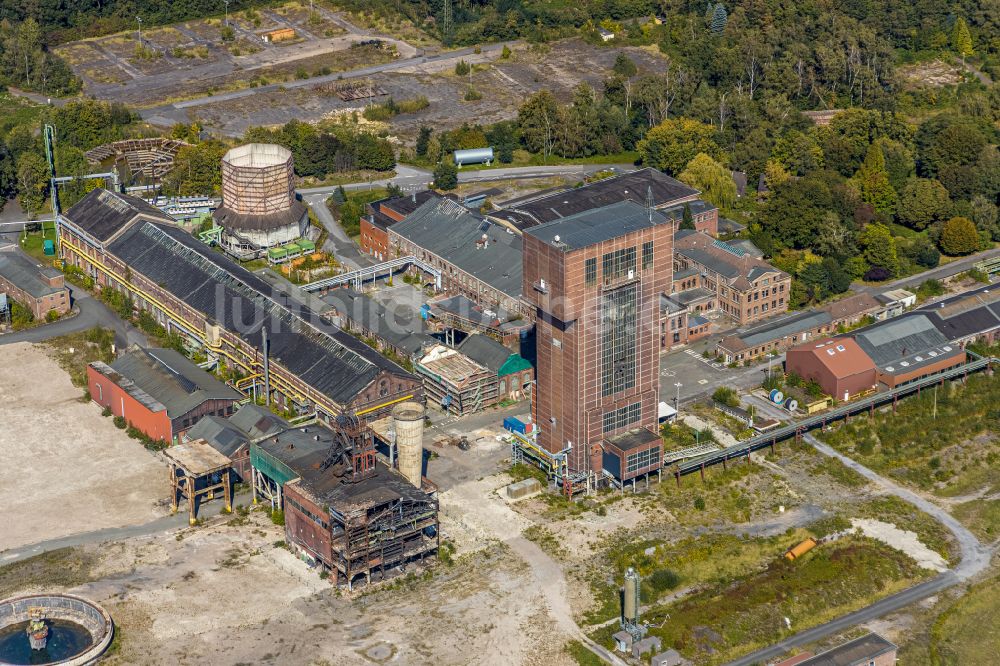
(797, 429)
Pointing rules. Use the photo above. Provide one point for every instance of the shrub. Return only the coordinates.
(120, 422)
(51, 316)
(699, 503)
(727, 396)
(664, 579)
(505, 54)
(278, 517)
(472, 95)
(106, 411)
(463, 68)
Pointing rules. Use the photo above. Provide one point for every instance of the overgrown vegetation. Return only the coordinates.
(940, 440)
(76, 351)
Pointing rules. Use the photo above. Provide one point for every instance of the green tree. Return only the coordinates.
(446, 175)
(423, 139)
(624, 67)
(196, 169)
(879, 248)
(713, 180)
(537, 119)
(673, 143)
(959, 236)
(961, 40)
(873, 182)
(462, 68)
(687, 219)
(719, 19)
(32, 181)
(923, 202)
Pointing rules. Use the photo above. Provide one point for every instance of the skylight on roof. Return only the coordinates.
(840, 348)
(830, 352)
(905, 364)
(919, 358)
(947, 347)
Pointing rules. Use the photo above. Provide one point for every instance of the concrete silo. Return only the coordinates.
(259, 209)
(408, 423)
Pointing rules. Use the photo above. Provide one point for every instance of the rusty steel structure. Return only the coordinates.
(360, 519)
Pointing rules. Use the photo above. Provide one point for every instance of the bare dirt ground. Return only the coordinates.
(935, 74)
(503, 85)
(66, 468)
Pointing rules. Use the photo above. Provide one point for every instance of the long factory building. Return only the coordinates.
(123, 243)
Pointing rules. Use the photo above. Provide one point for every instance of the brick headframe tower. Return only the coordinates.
(595, 279)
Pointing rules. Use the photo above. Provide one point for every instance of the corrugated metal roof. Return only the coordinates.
(102, 212)
(171, 379)
(791, 325)
(859, 651)
(477, 246)
(634, 186)
(598, 225)
(320, 354)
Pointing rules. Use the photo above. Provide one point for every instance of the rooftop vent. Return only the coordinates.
(905, 364)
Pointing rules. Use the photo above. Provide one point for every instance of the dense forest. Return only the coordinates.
(910, 170)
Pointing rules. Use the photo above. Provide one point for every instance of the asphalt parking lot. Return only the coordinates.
(699, 376)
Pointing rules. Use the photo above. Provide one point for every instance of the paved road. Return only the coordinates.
(91, 313)
(975, 559)
(939, 273)
(337, 241)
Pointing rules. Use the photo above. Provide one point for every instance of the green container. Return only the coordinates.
(49, 247)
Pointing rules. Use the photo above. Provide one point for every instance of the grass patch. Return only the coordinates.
(838, 471)
(579, 653)
(545, 539)
(981, 516)
(75, 351)
(733, 495)
(732, 618)
(60, 568)
(967, 632)
(714, 559)
(522, 471)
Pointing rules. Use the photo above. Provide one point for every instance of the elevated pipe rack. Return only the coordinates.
(744, 449)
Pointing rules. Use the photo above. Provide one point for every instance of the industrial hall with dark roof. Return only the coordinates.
(235, 316)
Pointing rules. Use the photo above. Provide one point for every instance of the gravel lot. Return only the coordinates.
(66, 469)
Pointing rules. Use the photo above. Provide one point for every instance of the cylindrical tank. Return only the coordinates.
(800, 549)
(777, 396)
(408, 423)
(257, 179)
(630, 605)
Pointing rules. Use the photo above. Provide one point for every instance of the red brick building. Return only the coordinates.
(159, 391)
(595, 280)
(382, 214)
(742, 286)
(838, 365)
(39, 288)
